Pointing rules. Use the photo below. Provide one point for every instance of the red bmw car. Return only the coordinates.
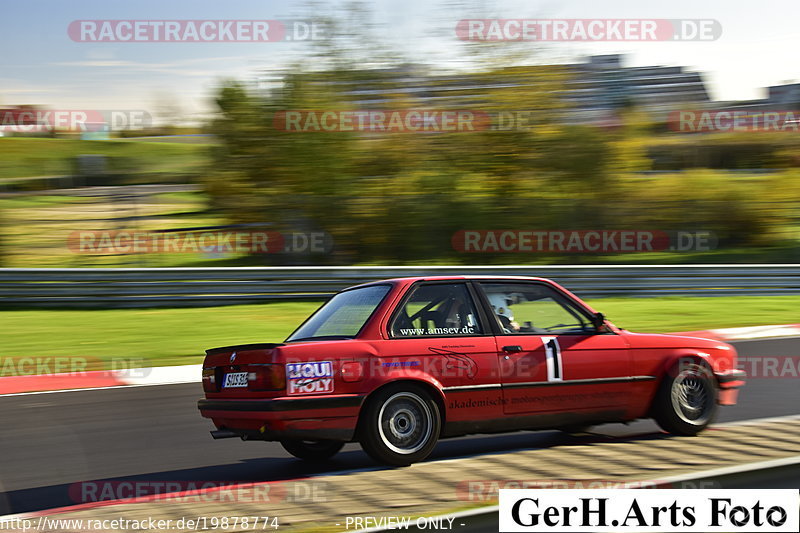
(398, 364)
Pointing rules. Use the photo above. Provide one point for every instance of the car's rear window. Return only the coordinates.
(343, 315)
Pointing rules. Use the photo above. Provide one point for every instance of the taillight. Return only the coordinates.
(210, 379)
(266, 377)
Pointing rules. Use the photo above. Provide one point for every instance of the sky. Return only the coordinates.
(41, 65)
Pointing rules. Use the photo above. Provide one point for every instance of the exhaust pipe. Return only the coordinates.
(223, 434)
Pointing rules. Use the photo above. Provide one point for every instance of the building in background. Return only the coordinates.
(593, 90)
(779, 98)
(602, 85)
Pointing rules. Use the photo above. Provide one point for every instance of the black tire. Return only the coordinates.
(312, 450)
(400, 425)
(686, 401)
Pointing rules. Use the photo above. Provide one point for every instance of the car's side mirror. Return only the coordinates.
(598, 321)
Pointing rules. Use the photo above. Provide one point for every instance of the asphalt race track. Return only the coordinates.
(50, 441)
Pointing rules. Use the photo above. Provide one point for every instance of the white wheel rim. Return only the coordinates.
(405, 423)
(692, 397)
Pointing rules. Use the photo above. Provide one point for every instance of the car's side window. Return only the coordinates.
(534, 309)
(437, 310)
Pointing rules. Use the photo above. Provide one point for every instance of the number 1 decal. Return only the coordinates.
(553, 353)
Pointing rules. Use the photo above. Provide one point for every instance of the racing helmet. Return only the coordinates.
(501, 305)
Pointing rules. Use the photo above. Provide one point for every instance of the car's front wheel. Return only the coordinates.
(312, 450)
(400, 425)
(687, 399)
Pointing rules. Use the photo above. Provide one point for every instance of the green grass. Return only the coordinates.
(22, 157)
(34, 229)
(157, 337)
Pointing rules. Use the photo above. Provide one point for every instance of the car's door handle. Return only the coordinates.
(512, 349)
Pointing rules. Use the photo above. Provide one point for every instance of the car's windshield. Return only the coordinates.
(342, 316)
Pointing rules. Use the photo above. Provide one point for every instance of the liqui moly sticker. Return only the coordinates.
(314, 377)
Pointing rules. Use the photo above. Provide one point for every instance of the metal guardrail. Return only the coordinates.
(169, 287)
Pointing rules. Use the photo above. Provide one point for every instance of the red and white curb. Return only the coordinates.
(745, 333)
(101, 379)
(170, 375)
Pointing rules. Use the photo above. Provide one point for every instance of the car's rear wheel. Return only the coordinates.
(312, 450)
(687, 399)
(400, 425)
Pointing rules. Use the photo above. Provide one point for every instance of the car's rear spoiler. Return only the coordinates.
(244, 347)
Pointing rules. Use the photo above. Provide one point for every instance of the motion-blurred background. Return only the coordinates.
(571, 138)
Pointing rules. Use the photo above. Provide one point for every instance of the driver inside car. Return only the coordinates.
(501, 305)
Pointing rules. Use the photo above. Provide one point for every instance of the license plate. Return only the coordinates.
(237, 379)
